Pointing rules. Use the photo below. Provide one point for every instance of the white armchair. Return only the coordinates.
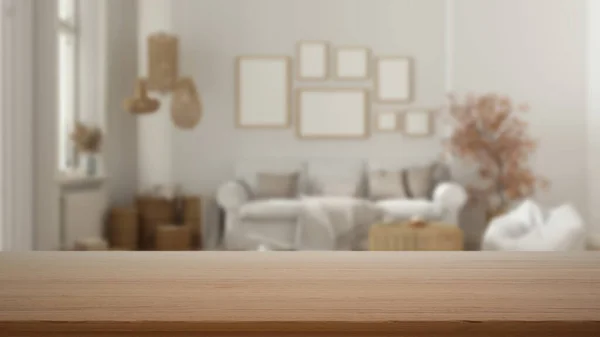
(525, 229)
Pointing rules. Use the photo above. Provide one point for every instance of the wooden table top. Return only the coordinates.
(269, 293)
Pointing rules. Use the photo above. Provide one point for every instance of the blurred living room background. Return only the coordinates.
(290, 125)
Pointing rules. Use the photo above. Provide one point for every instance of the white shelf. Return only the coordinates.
(67, 180)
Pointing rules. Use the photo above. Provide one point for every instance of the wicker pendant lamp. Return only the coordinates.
(163, 62)
(141, 103)
(163, 76)
(186, 107)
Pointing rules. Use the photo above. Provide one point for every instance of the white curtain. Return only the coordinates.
(16, 125)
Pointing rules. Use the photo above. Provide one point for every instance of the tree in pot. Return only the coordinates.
(489, 133)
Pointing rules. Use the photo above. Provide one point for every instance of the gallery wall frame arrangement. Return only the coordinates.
(263, 87)
(310, 294)
(394, 79)
(352, 63)
(319, 112)
(417, 122)
(312, 59)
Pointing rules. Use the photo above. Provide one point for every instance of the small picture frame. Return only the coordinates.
(352, 63)
(417, 123)
(387, 121)
(394, 79)
(313, 60)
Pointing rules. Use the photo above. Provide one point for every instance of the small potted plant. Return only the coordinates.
(87, 141)
(489, 134)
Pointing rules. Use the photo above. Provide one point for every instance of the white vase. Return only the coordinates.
(90, 164)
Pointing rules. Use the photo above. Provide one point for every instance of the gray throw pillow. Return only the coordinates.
(277, 185)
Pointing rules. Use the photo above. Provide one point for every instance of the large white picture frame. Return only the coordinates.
(394, 79)
(313, 60)
(263, 86)
(332, 113)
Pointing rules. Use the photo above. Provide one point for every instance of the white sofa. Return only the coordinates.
(251, 223)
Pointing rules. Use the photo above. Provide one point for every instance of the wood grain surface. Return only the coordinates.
(392, 293)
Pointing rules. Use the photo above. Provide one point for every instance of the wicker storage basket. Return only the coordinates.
(153, 212)
(123, 229)
(155, 208)
(192, 217)
(173, 238)
(192, 207)
(402, 236)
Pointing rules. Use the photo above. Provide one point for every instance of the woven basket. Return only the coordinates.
(173, 238)
(153, 212)
(405, 236)
(123, 230)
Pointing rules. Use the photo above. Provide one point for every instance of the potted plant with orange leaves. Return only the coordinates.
(489, 133)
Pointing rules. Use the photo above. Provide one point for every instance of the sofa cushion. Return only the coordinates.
(403, 209)
(386, 184)
(271, 209)
(419, 180)
(277, 185)
(248, 169)
(340, 177)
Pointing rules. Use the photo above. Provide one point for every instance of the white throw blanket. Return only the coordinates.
(334, 223)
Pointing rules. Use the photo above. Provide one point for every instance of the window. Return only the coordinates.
(67, 79)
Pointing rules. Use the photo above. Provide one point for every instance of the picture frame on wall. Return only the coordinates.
(352, 63)
(394, 79)
(312, 60)
(332, 113)
(387, 121)
(263, 91)
(417, 123)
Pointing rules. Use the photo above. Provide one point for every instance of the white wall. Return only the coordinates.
(593, 118)
(535, 51)
(46, 191)
(16, 127)
(155, 142)
(122, 64)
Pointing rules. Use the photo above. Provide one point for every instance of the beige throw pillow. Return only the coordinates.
(277, 185)
(418, 181)
(386, 185)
